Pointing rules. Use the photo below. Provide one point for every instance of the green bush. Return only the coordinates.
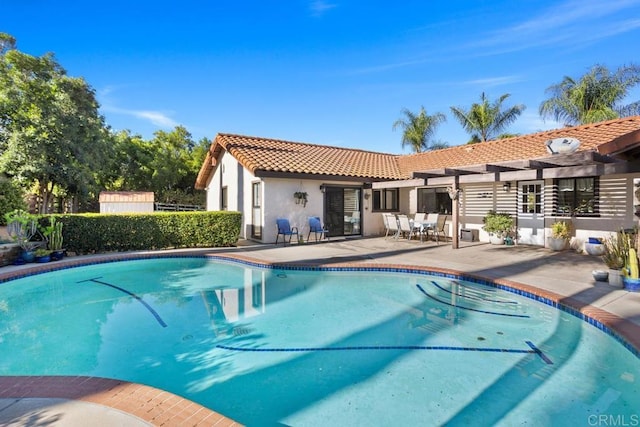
(95, 233)
(499, 223)
(11, 198)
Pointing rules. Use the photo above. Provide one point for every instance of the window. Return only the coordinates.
(577, 196)
(386, 199)
(223, 199)
(531, 198)
(434, 200)
(256, 210)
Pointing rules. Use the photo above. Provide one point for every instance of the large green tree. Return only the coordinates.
(130, 167)
(172, 165)
(486, 120)
(594, 97)
(167, 165)
(418, 130)
(51, 135)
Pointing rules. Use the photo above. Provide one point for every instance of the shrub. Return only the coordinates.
(499, 223)
(11, 199)
(561, 230)
(92, 233)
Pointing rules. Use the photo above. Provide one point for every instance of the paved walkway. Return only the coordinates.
(561, 276)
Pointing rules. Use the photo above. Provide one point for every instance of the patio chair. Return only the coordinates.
(417, 224)
(430, 223)
(439, 230)
(390, 224)
(316, 227)
(385, 224)
(285, 229)
(405, 226)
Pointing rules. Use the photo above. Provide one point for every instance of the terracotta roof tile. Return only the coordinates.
(518, 148)
(273, 155)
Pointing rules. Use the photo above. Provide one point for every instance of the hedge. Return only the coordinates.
(95, 233)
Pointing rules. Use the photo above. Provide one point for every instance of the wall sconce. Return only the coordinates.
(367, 195)
(506, 187)
(322, 188)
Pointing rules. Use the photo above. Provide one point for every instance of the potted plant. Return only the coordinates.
(300, 197)
(631, 270)
(22, 227)
(560, 235)
(53, 234)
(594, 246)
(615, 256)
(42, 255)
(498, 225)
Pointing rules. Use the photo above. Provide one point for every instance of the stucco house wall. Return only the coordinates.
(277, 199)
(608, 151)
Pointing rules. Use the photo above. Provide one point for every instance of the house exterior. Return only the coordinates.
(592, 183)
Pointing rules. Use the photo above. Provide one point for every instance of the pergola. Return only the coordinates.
(578, 164)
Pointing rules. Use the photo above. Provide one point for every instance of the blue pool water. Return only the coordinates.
(306, 348)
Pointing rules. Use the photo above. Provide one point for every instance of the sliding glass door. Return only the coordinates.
(342, 210)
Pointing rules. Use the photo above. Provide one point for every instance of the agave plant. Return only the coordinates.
(22, 227)
(616, 250)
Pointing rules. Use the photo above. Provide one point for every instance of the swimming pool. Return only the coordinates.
(303, 347)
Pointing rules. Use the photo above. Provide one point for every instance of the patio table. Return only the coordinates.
(425, 226)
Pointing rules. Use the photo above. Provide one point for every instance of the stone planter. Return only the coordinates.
(496, 240)
(595, 249)
(8, 253)
(600, 275)
(556, 244)
(615, 278)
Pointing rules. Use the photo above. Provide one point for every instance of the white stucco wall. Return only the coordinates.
(277, 199)
(279, 202)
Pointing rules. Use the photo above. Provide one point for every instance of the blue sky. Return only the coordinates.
(332, 72)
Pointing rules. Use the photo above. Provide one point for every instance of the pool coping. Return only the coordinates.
(159, 407)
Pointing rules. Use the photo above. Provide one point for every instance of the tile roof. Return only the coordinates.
(263, 155)
(260, 155)
(518, 148)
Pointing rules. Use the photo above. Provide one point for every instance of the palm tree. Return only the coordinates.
(418, 129)
(485, 121)
(595, 97)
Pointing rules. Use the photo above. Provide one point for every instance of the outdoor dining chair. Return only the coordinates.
(391, 224)
(316, 227)
(429, 224)
(284, 230)
(417, 224)
(439, 230)
(405, 226)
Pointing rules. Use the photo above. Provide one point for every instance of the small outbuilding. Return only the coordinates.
(115, 202)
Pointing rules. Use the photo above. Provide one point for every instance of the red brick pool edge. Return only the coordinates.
(157, 407)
